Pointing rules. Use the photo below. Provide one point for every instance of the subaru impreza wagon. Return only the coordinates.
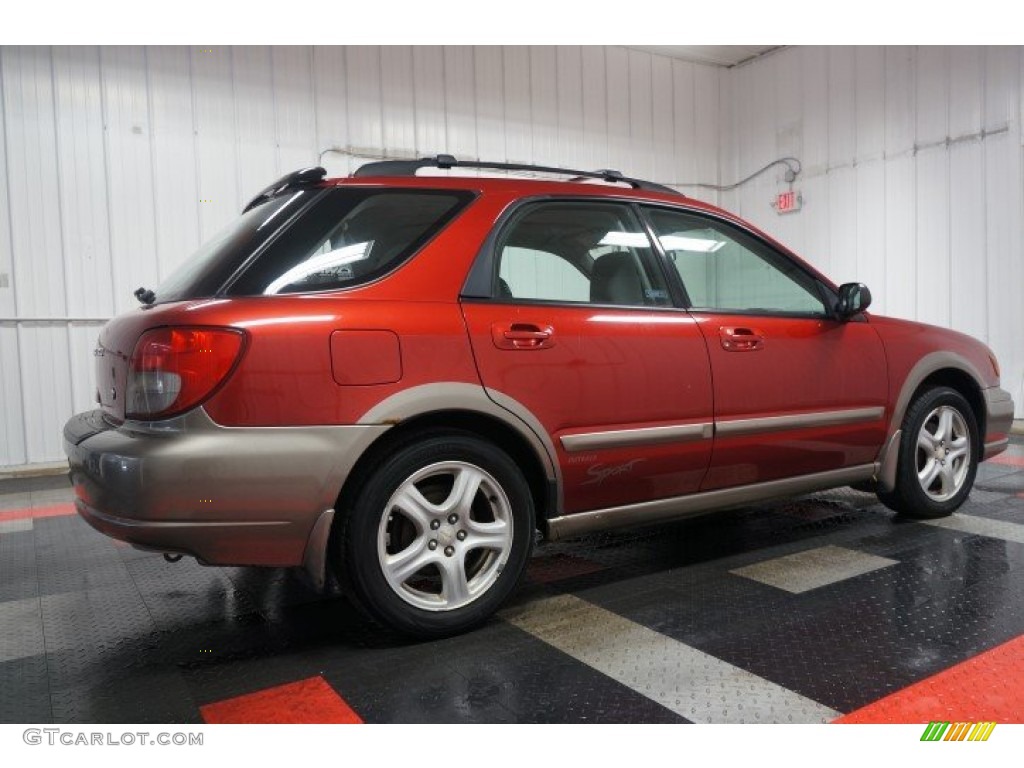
(399, 379)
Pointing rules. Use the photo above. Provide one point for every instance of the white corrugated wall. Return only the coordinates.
(116, 162)
(912, 179)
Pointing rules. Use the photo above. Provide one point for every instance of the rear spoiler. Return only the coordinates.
(306, 177)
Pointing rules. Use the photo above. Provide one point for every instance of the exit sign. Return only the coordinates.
(788, 202)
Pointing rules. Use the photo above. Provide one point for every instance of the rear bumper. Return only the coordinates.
(228, 496)
(998, 420)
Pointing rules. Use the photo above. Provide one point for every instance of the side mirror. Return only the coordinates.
(853, 298)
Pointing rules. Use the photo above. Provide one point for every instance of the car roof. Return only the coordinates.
(526, 186)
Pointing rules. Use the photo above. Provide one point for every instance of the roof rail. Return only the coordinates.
(445, 162)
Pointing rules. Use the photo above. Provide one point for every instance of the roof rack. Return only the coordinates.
(445, 162)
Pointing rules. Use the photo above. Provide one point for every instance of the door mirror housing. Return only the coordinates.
(853, 299)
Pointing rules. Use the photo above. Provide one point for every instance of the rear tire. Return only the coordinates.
(938, 457)
(438, 536)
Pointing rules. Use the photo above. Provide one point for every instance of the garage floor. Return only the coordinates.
(799, 611)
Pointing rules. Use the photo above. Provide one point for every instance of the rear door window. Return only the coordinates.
(578, 253)
(535, 274)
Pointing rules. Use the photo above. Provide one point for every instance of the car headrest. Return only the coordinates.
(616, 280)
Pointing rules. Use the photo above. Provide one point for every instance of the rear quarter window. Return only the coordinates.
(348, 238)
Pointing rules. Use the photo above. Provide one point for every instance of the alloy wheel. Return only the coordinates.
(943, 453)
(445, 536)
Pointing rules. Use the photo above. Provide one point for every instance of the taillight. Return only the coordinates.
(175, 369)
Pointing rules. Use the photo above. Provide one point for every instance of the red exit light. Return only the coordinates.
(788, 202)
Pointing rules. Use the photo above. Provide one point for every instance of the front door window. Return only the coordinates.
(725, 270)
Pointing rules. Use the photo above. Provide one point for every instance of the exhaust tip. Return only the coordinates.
(172, 558)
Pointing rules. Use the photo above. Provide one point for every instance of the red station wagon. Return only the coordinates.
(398, 379)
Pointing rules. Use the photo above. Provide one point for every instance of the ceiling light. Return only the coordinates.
(626, 239)
(693, 244)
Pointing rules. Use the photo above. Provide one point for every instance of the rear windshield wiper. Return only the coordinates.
(145, 295)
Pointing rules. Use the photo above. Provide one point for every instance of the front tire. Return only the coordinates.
(938, 458)
(438, 536)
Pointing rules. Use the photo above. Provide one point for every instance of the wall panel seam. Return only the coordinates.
(311, 63)
(69, 354)
(14, 283)
(151, 131)
(234, 116)
(195, 144)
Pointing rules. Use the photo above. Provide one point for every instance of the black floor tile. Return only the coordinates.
(950, 597)
(25, 691)
(147, 695)
(18, 575)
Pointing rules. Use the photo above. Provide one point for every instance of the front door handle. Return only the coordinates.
(523, 336)
(741, 339)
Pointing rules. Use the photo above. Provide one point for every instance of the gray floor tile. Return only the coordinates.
(22, 525)
(813, 568)
(21, 629)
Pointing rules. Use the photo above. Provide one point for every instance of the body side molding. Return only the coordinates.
(735, 427)
(622, 438)
(677, 433)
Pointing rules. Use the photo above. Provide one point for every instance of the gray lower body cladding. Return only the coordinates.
(253, 495)
(998, 420)
(228, 496)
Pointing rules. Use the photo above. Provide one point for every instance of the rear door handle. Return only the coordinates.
(741, 339)
(523, 336)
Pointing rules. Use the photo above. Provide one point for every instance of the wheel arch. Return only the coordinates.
(936, 369)
(432, 408)
(941, 369)
(961, 381)
(543, 488)
(468, 407)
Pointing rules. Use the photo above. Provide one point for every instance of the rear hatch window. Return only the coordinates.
(315, 240)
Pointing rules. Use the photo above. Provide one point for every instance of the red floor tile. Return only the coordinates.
(988, 687)
(55, 510)
(307, 701)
